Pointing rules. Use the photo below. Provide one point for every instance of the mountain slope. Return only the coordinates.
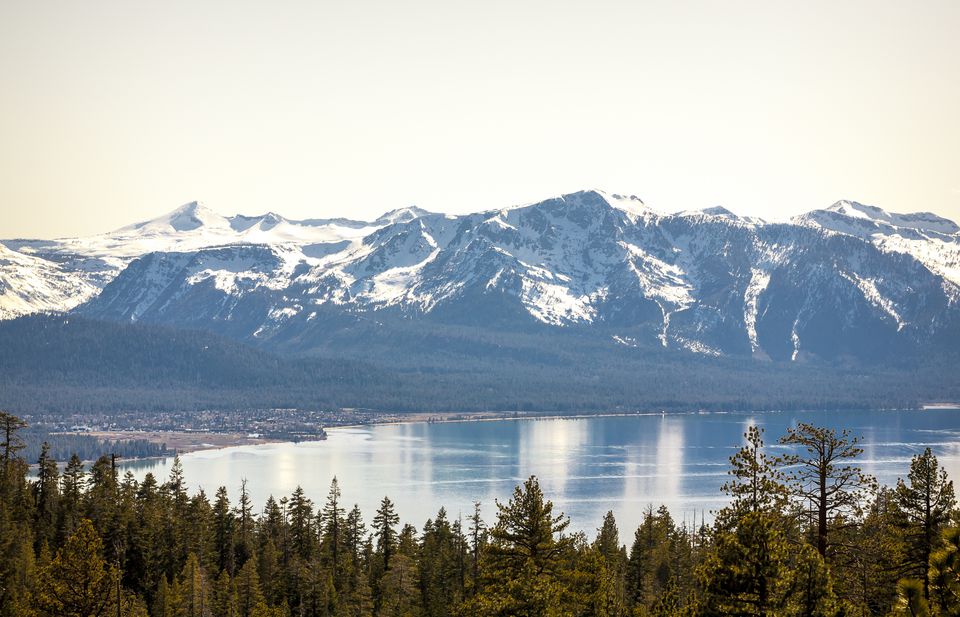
(29, 284)
(57, 275)
(931, 239)
(707, 283)
(61, 365)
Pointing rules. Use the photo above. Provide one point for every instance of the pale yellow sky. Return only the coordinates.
(116, 111)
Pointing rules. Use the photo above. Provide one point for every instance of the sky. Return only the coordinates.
(115, 111)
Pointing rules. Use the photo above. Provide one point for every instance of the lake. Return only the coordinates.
(586, 465)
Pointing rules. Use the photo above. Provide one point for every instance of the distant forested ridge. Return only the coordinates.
(806, 533)
(67, 364)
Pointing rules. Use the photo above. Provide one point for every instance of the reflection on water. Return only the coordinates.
(586, 465)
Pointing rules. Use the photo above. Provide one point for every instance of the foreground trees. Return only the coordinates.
(78, 583)
(822, 478)
(805, 534)
(924, 506)
(524, 560)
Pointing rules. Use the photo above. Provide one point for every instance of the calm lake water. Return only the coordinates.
(586, 465)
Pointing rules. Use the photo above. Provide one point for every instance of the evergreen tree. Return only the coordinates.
(608, 538)
(46, 494)
(74, 482)
(244, 523)
(300, 512)
(477, 542)
(193, 600)
(650, 563)
(12, 441)
(332, 522)
(223, 600)
(911, 601)
(746, 570)
(523, 573)
(78, 582)
(924, 505)
(224, 532)
(823, 477)
(384, 527)
(440, 566)
(400, 588)
(757, 485)
(247, 585)
(945, 574)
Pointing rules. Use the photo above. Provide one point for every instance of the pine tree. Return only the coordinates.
(300, 512)
(17, 521)
(249, 594)
(524, 574)
(384, 527)
(823, 477)
(608, 538)
(193, 600)
(742, 573)
(614, 558)
(332, 523)
(945, 574)
(74, 482)
(78, 582)
(924, 506)
(223, 600)
(910, 599)
(757, 485)
(224, 532)
(354, 533)
(477, 543)
(642, 563)
(440, 571)
(12, 444)
(400, 588)
(46, 494)
(243, 538)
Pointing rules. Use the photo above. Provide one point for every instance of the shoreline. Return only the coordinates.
(186, 442)
(428, 418)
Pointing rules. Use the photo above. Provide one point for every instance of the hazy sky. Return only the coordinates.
(117, 111)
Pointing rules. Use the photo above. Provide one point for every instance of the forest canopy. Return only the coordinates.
(803, 534)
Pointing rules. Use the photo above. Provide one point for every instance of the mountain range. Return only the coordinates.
(849, 283)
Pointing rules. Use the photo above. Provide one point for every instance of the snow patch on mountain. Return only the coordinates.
(930, 239)
(555, 304)
(868, 287)
(30, 284)
(751, 297)
(719, 212)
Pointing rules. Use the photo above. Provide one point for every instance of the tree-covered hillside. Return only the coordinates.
(66, 364)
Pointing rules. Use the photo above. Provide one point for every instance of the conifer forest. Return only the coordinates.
(805, 534)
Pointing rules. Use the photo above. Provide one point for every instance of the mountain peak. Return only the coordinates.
(401, 215)
(722, 213)
(856, 209)
(630, 204)
(188, 217)
(191, 216)
(719, 211)
(854, 212)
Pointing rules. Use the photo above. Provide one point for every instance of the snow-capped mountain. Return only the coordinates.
(849, 281)
(931, 239)
(67, 272)
(30, 284)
